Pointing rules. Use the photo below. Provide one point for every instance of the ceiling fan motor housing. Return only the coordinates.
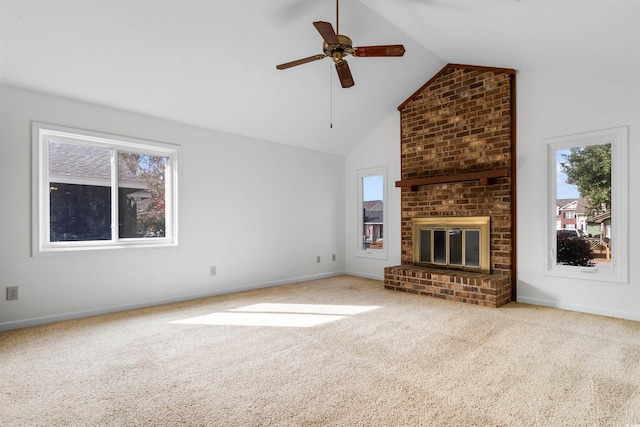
(338, 51)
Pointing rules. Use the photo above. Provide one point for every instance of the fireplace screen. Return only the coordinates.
(460, 242)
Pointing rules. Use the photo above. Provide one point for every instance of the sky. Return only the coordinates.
(564, 190)
(372, 187)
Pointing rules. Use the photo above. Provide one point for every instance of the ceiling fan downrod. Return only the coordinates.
(337, 17)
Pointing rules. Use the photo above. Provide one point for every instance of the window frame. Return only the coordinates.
(360, 251)
(618, 138)
(43, 133)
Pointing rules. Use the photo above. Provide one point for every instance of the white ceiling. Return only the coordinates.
(211, 63)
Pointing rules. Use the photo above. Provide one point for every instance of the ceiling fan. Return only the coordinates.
(337, 46)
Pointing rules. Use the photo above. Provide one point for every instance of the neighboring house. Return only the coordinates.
(571, 214)
(373, 219)
(80, 194)
(600, 225)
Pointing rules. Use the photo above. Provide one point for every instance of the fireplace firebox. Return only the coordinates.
(452, 242)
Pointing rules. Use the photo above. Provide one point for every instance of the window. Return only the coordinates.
(588, 172)
(372, 213)
(94, 190)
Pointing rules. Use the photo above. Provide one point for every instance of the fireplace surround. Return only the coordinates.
(457, 161)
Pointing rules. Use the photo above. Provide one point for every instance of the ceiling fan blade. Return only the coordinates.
(387, 50)
(300, 62)
(326, 31)
(344, 74)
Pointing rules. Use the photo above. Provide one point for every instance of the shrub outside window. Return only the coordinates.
(94, 190)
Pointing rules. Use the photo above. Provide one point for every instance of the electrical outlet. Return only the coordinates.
(212, 270)
(12, 292)
(318, 259)
(333, 257)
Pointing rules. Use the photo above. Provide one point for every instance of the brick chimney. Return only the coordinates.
(458, 160)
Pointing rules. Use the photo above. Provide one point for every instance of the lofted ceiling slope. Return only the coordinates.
(211, 63)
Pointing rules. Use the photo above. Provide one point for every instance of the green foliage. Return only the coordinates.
(589, 169)
(150, 216)
(574, 251)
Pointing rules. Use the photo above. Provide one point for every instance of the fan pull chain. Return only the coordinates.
(331, 70)
(331, 96)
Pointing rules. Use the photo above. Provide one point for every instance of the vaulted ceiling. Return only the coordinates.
(211, 63)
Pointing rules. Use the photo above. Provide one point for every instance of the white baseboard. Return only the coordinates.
(35, 321)
(580, 308)
(365, 275)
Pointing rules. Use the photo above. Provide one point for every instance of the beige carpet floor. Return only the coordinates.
(335, 352)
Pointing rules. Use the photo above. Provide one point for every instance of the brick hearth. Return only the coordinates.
(483, 289)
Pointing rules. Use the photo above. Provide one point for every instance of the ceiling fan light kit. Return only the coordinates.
(337, 46)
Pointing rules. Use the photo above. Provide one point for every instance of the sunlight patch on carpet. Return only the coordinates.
(280, 315)
(307, 308)
(261, 319)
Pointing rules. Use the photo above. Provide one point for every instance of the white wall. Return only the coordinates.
(261, 212)
(549, 106)
(380, 148)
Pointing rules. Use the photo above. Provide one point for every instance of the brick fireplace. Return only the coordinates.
(457, 154)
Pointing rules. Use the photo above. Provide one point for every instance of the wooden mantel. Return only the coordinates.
(483, 176)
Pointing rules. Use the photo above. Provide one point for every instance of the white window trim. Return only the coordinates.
(360, 251)
(618, 138)
(41, 135)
